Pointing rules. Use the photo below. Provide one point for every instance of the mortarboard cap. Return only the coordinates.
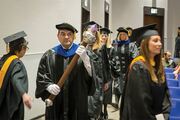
(121, 29)
(88, 24)
(67, 27)
(129, 28)
(14, 37)
(105, 31)
(140, 33)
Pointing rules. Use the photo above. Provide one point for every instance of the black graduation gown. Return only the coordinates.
(125, 53)
(106, 53)
(142, 98)
(15, 84)
(95, 101)
(177, 47)
(71, 103)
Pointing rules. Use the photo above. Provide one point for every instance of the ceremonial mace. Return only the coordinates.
(88, 38)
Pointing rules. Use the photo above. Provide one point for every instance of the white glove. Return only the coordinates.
(53, 89)
(81, 51)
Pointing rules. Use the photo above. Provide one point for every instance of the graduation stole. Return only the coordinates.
(5, 68)
(139, 58)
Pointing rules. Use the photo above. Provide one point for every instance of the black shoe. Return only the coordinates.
(101, 117)
(105, 116)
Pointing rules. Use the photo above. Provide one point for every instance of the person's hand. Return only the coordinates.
(27, 100)
(53, 89)
(81, 50)
(176, 74)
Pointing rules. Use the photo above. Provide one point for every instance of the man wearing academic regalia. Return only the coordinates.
(71, 102)
(124, 52)
(14, 79)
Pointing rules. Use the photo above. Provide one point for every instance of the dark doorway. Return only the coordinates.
(85, 17)
(155, 15)
(106, 14)
(85, 13)
(106, 20)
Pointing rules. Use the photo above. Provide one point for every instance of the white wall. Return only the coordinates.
(172, 23)
(38, 107)
(126, 13)
(97, 11)
(147, 2)
(38, 19)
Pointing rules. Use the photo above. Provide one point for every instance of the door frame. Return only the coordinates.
(159, 13)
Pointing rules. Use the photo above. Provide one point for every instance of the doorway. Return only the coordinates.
(155, 15)
(85, 17)
(106, 20)
(85, 14)
(106, 14)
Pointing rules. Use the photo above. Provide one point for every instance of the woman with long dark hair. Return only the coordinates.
(146, 93)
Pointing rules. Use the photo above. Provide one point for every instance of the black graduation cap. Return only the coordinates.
(14, 37)
(66, 26)
(105, 31)
(140, 33)
(129, 28)
(89, 23)
(122, 29)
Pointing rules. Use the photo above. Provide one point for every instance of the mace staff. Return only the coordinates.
(89, 39)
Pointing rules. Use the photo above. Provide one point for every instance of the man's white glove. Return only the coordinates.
(53, 89)
(81, 51)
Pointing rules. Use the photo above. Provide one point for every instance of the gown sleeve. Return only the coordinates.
(43, 79)
(19, 78)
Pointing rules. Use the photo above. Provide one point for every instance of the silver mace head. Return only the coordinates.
(88, 37)
(48, 102)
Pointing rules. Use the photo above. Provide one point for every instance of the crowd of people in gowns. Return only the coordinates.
(76, 81)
